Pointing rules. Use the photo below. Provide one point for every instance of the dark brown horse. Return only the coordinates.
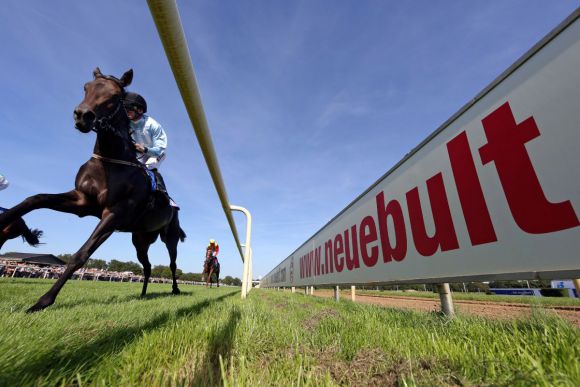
(111, 186)
(19, 228)
(211, 266)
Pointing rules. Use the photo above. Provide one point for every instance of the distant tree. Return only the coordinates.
(96, 264)
(119, 266)
(229, 280)
(191, 277)
(64, 257)
(164, 272)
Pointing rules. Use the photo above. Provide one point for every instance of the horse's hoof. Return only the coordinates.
(35, 308)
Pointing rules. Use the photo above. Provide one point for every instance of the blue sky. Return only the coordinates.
(308, 102)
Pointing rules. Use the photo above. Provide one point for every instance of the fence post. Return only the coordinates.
(576, 283)
(247, 249)
(337, 293)
(353, 293)
(446, 300)
(306, 290)
(293, 289)
(312, 290)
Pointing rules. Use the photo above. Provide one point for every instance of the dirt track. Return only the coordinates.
(484, 309)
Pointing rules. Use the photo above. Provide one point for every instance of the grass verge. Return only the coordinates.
(104, 334)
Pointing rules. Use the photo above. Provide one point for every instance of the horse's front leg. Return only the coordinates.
(73, 202)
(104, 229)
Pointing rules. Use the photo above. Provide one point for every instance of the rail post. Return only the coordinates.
(247, 249)
(353, 293)
(446, 300)
(337, 293)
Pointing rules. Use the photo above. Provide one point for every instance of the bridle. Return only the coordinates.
(104, 123)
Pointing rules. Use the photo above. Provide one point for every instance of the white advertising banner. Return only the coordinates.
(494, 192)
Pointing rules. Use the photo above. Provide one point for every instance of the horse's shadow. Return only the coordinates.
(116, 300)
(91, 353)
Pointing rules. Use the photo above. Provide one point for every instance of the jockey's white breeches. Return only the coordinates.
(153, 162)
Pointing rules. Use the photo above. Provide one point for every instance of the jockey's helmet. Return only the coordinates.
(212, 241)
(133, 99)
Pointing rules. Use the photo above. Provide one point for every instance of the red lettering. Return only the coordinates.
(301, 267)
(531, 210)
(351, 258)
(444, 235)
(394, 210)
(338, 250)
(368, 234)
(328, 268)
(471, 197)
(317, 260)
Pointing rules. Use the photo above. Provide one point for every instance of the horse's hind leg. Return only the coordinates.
(104, 229)
(171, 244)
(142, 241)
(171, 238)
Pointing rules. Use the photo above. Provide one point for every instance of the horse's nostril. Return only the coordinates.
(88, 116)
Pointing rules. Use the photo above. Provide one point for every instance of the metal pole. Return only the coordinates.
(247, 248)
(446, 300)
(250, 280)
(166, 17)
(576, 282)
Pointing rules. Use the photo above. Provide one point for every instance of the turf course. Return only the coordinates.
(104, 334)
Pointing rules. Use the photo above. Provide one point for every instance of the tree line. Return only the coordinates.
(158, 271)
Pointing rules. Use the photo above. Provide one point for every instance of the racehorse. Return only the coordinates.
(111, 186)
(19, 228)
(211, 266)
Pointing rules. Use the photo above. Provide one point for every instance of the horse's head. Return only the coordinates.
(103, 99)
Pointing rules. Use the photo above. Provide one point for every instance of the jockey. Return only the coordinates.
(3, 182)
(149, 136)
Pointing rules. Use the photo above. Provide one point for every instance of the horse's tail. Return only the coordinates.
(182, 235)
(32, 236)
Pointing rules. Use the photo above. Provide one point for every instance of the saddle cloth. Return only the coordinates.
(151, 179)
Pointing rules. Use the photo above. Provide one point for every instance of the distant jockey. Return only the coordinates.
(212, 249)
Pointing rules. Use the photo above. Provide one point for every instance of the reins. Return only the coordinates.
(115, 161)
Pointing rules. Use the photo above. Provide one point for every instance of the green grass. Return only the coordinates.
(544, 301)
(103, 334)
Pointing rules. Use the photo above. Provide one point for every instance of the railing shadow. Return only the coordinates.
(208, 371)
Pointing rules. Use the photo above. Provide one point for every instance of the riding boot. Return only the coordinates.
(159, 181)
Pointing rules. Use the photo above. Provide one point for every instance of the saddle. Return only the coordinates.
(157, 189)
